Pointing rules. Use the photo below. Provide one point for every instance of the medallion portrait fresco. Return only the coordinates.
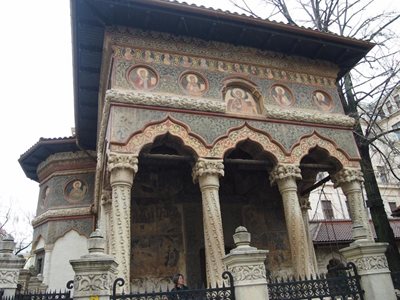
(239, 100)
(193, 84)
(44, 198)
(282, 95)
(142, 78)
(75, 191)
(323, 100)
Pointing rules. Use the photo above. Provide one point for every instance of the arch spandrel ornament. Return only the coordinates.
(306, 143)
(243, 133)
(149, 133)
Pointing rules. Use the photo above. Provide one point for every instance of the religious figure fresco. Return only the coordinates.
(240, 101)
(193, 84)
(75, 191)
(323, 100)
(143, 78)
(282, 95)
(45, 197)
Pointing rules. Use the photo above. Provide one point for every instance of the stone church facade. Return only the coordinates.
(180, 139)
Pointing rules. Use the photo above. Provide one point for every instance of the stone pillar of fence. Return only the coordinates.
(246, 264)
(94, 272)
(370, 260)
(10, 266)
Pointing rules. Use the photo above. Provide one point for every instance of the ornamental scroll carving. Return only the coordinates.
(285, 171)
(371, 263)
(241, 273)
(92, 282)
(8, 277)
(207, 166)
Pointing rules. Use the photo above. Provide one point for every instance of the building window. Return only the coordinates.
(327, 209)
(392, 206)
(382, 174)
(397, 100)
(39, 261)
(397, 126)
(389, 107)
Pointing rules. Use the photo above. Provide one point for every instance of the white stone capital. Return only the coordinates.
(122, 167)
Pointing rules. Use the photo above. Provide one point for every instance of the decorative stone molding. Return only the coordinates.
(8, 277)
(371, 263)
(309, 116)
(65, 156)
(61, 212)
(281, 172)
(92, 283)
(207, 167)
(106, 198)
(241, 273)
(164, 100)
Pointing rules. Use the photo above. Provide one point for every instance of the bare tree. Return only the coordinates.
(370, 82)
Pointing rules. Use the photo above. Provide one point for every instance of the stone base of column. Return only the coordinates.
(247, 267)
(370, 260)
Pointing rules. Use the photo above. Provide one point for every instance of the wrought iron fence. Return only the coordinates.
(345, 286)
(47, 295)
(226, 292)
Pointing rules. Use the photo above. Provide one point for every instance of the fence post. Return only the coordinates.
(10, 266)
(246, 264)
(94, 272)
(370, 260)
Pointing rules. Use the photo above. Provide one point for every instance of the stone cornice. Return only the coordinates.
(64, 156)
(62, 212)
(164, 100)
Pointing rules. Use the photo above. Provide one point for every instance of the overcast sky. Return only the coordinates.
(36, 87)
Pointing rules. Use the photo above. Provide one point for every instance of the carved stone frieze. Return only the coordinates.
(207, 167)
(62, 212)
(367, 263)
(92, 282)
(248, 272)
(309, 116)
(174, 101)
(8, 277)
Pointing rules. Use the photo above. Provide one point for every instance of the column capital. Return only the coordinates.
(347, 175)
(205, 166)
(284, 171)
(122, 161)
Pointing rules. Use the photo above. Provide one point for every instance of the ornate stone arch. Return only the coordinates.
(245, 132)
(306, 143)
(146, 136)
(249, 94)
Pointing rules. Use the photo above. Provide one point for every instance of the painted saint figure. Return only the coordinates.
(77, 192)
(282, 96)
(322, 100)
(143, 79)
(240, 101)
(193, 84)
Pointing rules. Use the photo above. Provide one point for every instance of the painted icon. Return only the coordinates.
(282, 95)
(193, 84)
(75, 191)
(323, 100)
(143, 78)
(239, 100)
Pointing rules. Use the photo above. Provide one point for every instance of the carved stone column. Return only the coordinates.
(350, 182)
(246, 264)
(94, 272)
(123, 168)
(285, 177)
(207, 172)
(305, 206)
(10, 266)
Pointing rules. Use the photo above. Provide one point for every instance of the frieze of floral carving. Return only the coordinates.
(248, 272)
(92, 282)
(371, 263)
(208, 166)
(8, 277)
(62, 212)
(309, 116)
(174, 101)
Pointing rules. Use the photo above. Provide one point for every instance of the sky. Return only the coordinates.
(37, 91)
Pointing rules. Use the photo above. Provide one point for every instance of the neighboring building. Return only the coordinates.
(189, 123)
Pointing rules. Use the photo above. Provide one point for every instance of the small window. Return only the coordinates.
(397, 100)
(389, 107)
(383, 176)
(397, 126)
(327, 209)
(39, 261)
(392, 206)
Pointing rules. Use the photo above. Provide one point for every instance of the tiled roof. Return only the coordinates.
(329, 231)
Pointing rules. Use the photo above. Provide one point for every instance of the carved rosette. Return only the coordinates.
(123, 168)
(285, 177)
(248, 272)
(207, 172)
(350, 182)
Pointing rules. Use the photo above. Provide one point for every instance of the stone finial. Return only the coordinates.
(7, 245)
(242, 237)
(96, 242)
